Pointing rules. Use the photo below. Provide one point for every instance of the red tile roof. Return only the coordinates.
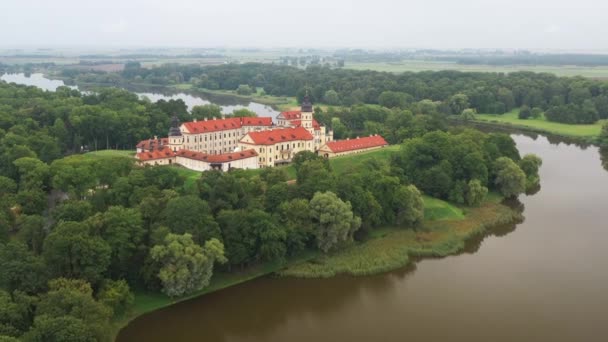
(163, 153)
(217, 158)
(145, 144)
(225, 124)
(257, 121)
(356, 144)
(275, 136)
(290, 115)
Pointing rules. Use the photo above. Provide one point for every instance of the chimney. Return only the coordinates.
(223, 116)
(205, 118)
(195, 120)
(155, 137)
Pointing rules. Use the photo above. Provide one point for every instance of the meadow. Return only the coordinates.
(541, 125)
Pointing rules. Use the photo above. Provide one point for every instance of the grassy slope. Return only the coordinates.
(540, 124)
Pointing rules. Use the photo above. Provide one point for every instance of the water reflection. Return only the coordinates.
(155, 93)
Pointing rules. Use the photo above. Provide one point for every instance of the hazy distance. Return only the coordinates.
(445, 24)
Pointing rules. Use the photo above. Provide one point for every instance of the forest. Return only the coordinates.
(573, 100)
(80, 233)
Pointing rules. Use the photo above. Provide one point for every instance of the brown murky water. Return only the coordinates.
(545, 279)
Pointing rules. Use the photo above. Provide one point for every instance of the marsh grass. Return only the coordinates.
(393, 248)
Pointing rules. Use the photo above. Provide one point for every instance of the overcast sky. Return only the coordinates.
(531, 24)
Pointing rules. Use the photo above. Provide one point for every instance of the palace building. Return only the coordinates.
(245, 143)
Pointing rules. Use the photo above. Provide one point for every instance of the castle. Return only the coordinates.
(246, 142)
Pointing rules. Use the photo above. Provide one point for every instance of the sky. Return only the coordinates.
(442, 24)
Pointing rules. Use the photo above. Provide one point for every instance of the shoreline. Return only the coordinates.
(436, 238)
(589, 140)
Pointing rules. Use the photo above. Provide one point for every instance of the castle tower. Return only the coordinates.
(176, 139)
(307, 113)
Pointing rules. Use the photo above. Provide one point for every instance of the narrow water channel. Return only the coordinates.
(545, 279)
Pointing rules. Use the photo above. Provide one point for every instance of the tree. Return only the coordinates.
(331, 97)
(530, 164)
(333, 220)
(71, 251)
(392, 99)
(295, 217)
(244, 89)
(32, 232)
(476, 192)
(206, 111)
(510, 179)
(457, 103)
(74, 298)
(468, 114)
(603, 139)
(186, 266)
(243, 112)
(409, 206)
(190, 214)
(49, 328)
(116, 295)
(122, 230)
(20, 269)
(525, 113)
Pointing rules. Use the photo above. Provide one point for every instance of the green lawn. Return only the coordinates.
(436, 209)
(542, 125)
(111, 153)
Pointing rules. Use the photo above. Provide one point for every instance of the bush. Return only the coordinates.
(525, 113)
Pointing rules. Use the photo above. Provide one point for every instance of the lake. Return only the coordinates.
(542, 280)
(228, 103)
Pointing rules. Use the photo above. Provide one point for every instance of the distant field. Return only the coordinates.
(511, 118)
(111, 153)
(418, 65)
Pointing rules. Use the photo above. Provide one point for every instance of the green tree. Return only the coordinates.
(331, 97)
(74, 298)
(206, 111)
(603, 139)
(190, 214)
(510, 179)
(530, 164)
(243, 113)
(244, 89)
(525, 112)
(32, 232)
(186, 266)
(71, 251)
(122, 229)
(20, 269)
(468, 114)
(116, 295)
(295, 217)
(457, 103)
(476, 192)
(49, 328)
(333, 220)
(409, 206)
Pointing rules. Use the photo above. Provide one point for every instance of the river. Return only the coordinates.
(228, 103)
(542, 280)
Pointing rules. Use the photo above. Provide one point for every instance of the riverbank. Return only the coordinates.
(392, 248)
(583, 133)
(444, 232)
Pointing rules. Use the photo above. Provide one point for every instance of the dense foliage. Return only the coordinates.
(564, 99)
(79, 231)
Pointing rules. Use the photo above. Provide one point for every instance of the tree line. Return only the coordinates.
(574, 100)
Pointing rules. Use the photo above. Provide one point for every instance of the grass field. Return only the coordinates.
(420, 65)
(111, 153)
(542, 125)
